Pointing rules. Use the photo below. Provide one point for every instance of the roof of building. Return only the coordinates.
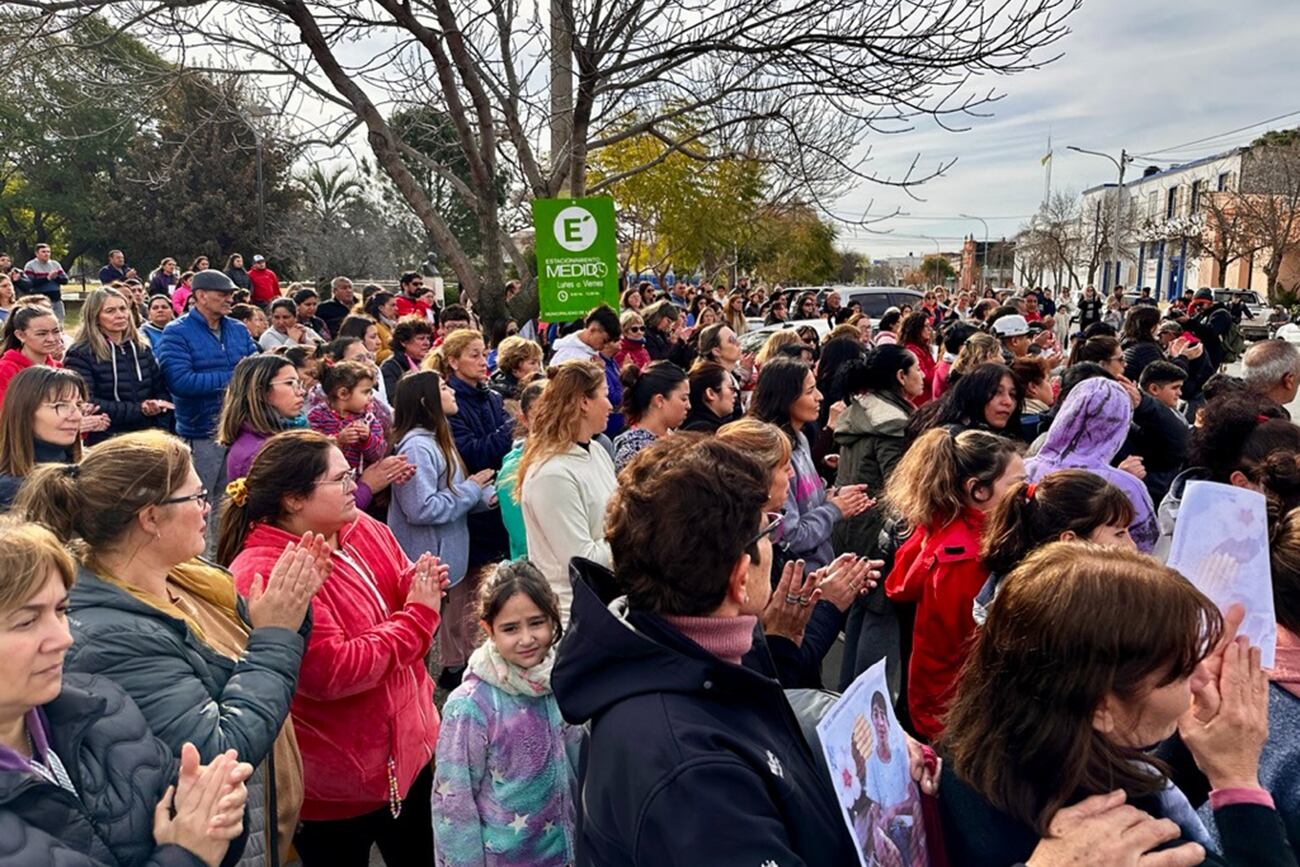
(1181, 167)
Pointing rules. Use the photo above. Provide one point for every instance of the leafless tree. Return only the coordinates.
(533, 91)
(1224, 234)
(1052, 242)
(1268, 197)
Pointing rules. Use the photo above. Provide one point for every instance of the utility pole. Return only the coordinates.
(561, 58)
(1121, 164)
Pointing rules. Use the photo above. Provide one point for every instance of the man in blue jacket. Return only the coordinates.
(198, 354)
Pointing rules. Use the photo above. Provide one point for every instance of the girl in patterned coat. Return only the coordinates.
(505, 774)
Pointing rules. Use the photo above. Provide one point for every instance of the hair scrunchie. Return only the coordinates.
(237, 491)
(72, 471)
(1029, 491)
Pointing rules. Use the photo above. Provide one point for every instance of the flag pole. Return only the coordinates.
(1047, 187)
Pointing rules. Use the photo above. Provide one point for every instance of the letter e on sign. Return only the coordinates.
(575, 229)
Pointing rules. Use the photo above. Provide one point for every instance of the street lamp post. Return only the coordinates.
(1120, 164)
(255, 112)
(985, 264)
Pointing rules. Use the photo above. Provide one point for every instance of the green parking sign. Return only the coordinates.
(577, 256)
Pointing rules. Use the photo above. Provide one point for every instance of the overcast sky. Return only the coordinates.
(1142, 76)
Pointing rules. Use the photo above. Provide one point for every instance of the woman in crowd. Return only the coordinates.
(365, 329)
(1133, 681)
(285, 328)
(7, 296)
(713, 398)
(484, 433)
(1066, 506)
(308, 301)
(200, 263)
(630, 300)
(253, 317)
(163, 278)
(1034, 380)
(656, 399)
(776, 313)
(512, 512)
(917, 335)
(891, 323)
(430, 513)
(504, 750)
(122, 377)
(372, 624)
(733, 313)
(631, 347)
(565, 480)
(721, 344)
(410, 344)
(82, 780)
(870, 435)
(168, 628)
(955, 337)
(235, 271)
(1087, 433)
(41, 423)
(382, 308)
(979, 348)
(519, 361)
(806, 307)
(787, 396)
(985, 399)
(1141, 347)
(32, 337)
(835, 355)
(663, 340)
(1102, 349)
(943, 487)
(158, 314)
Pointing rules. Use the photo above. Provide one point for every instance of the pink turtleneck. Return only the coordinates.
(727, 638)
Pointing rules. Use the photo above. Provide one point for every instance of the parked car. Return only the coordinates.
(752, 341)
(875, 300)
(1251, 329)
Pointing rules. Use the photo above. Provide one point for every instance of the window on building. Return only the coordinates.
(1171, 203)
(1225, 181)
(1153, 205)
(1196, 197)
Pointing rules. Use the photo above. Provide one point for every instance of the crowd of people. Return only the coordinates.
(242, 516)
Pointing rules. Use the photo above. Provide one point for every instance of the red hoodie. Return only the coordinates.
(942, 574)
(265, 285)
(364, 696)
(13, 362)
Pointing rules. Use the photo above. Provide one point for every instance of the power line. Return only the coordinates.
(1220, 135)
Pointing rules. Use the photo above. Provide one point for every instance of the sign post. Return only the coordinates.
(577, 256)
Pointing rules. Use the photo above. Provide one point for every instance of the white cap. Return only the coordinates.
(1013, 325)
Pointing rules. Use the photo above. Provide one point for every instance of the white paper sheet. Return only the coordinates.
(1221, 546)
(866, 752)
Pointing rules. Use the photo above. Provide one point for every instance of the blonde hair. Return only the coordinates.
(95, 503)
(630, 317)
(845, 330)
(928, 486)
(453, 345)
(556, 418)
(979, 348)
(772, 348)
(763, 441)
(515, 350)
(92, 335)
(29, 553)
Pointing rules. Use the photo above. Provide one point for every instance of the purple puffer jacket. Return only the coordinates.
(1086, 434)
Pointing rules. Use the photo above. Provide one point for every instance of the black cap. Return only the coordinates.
(1207, 294)
(211, 280)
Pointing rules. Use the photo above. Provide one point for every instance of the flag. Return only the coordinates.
(1045, 158)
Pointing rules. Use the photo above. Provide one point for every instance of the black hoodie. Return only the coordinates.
(691, 760)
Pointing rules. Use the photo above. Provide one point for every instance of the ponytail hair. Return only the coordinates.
(928, 487)
(336, 375)
(288, 465)
(18, 320)
(642, 385)
(1098, 349)
(91, 506)
(1031, 515)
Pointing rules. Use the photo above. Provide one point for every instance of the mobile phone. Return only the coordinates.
(1190, 338)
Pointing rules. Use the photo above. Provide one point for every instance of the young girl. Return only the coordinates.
(431, 512)
(1066, 506)
(943, 487)
(348, 386)
(505, 769)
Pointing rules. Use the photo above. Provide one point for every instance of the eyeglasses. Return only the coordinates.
(201, 498)
(634, 329)
(294, 384)
(346, 481)
(771, 523)
(66, 408)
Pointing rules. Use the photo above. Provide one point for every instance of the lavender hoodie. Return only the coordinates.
(1087, 434)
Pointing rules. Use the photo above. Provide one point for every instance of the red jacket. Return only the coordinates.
(411, 306)
(364, 695)
(928, 365)
(941, 573)
(266, 286)
(12, 363)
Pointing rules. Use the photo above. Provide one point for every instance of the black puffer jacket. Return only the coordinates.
(120, 772)
(118, 385)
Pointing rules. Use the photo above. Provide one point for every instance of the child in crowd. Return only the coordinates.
(1163, 380)
(348, 387)
(512, 512)
(1066, 506)
(431, 512)
(505, 769)
(943, 487)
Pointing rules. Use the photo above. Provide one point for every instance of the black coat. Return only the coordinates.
(977, 834)
(118, 385)
(120, 772)
(701, 419)
(394, 368)
(691, 760)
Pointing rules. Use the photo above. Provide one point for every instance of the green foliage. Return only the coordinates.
(936, 269)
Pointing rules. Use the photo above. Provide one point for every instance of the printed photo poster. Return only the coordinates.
(866, 751)
(1221, 546)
